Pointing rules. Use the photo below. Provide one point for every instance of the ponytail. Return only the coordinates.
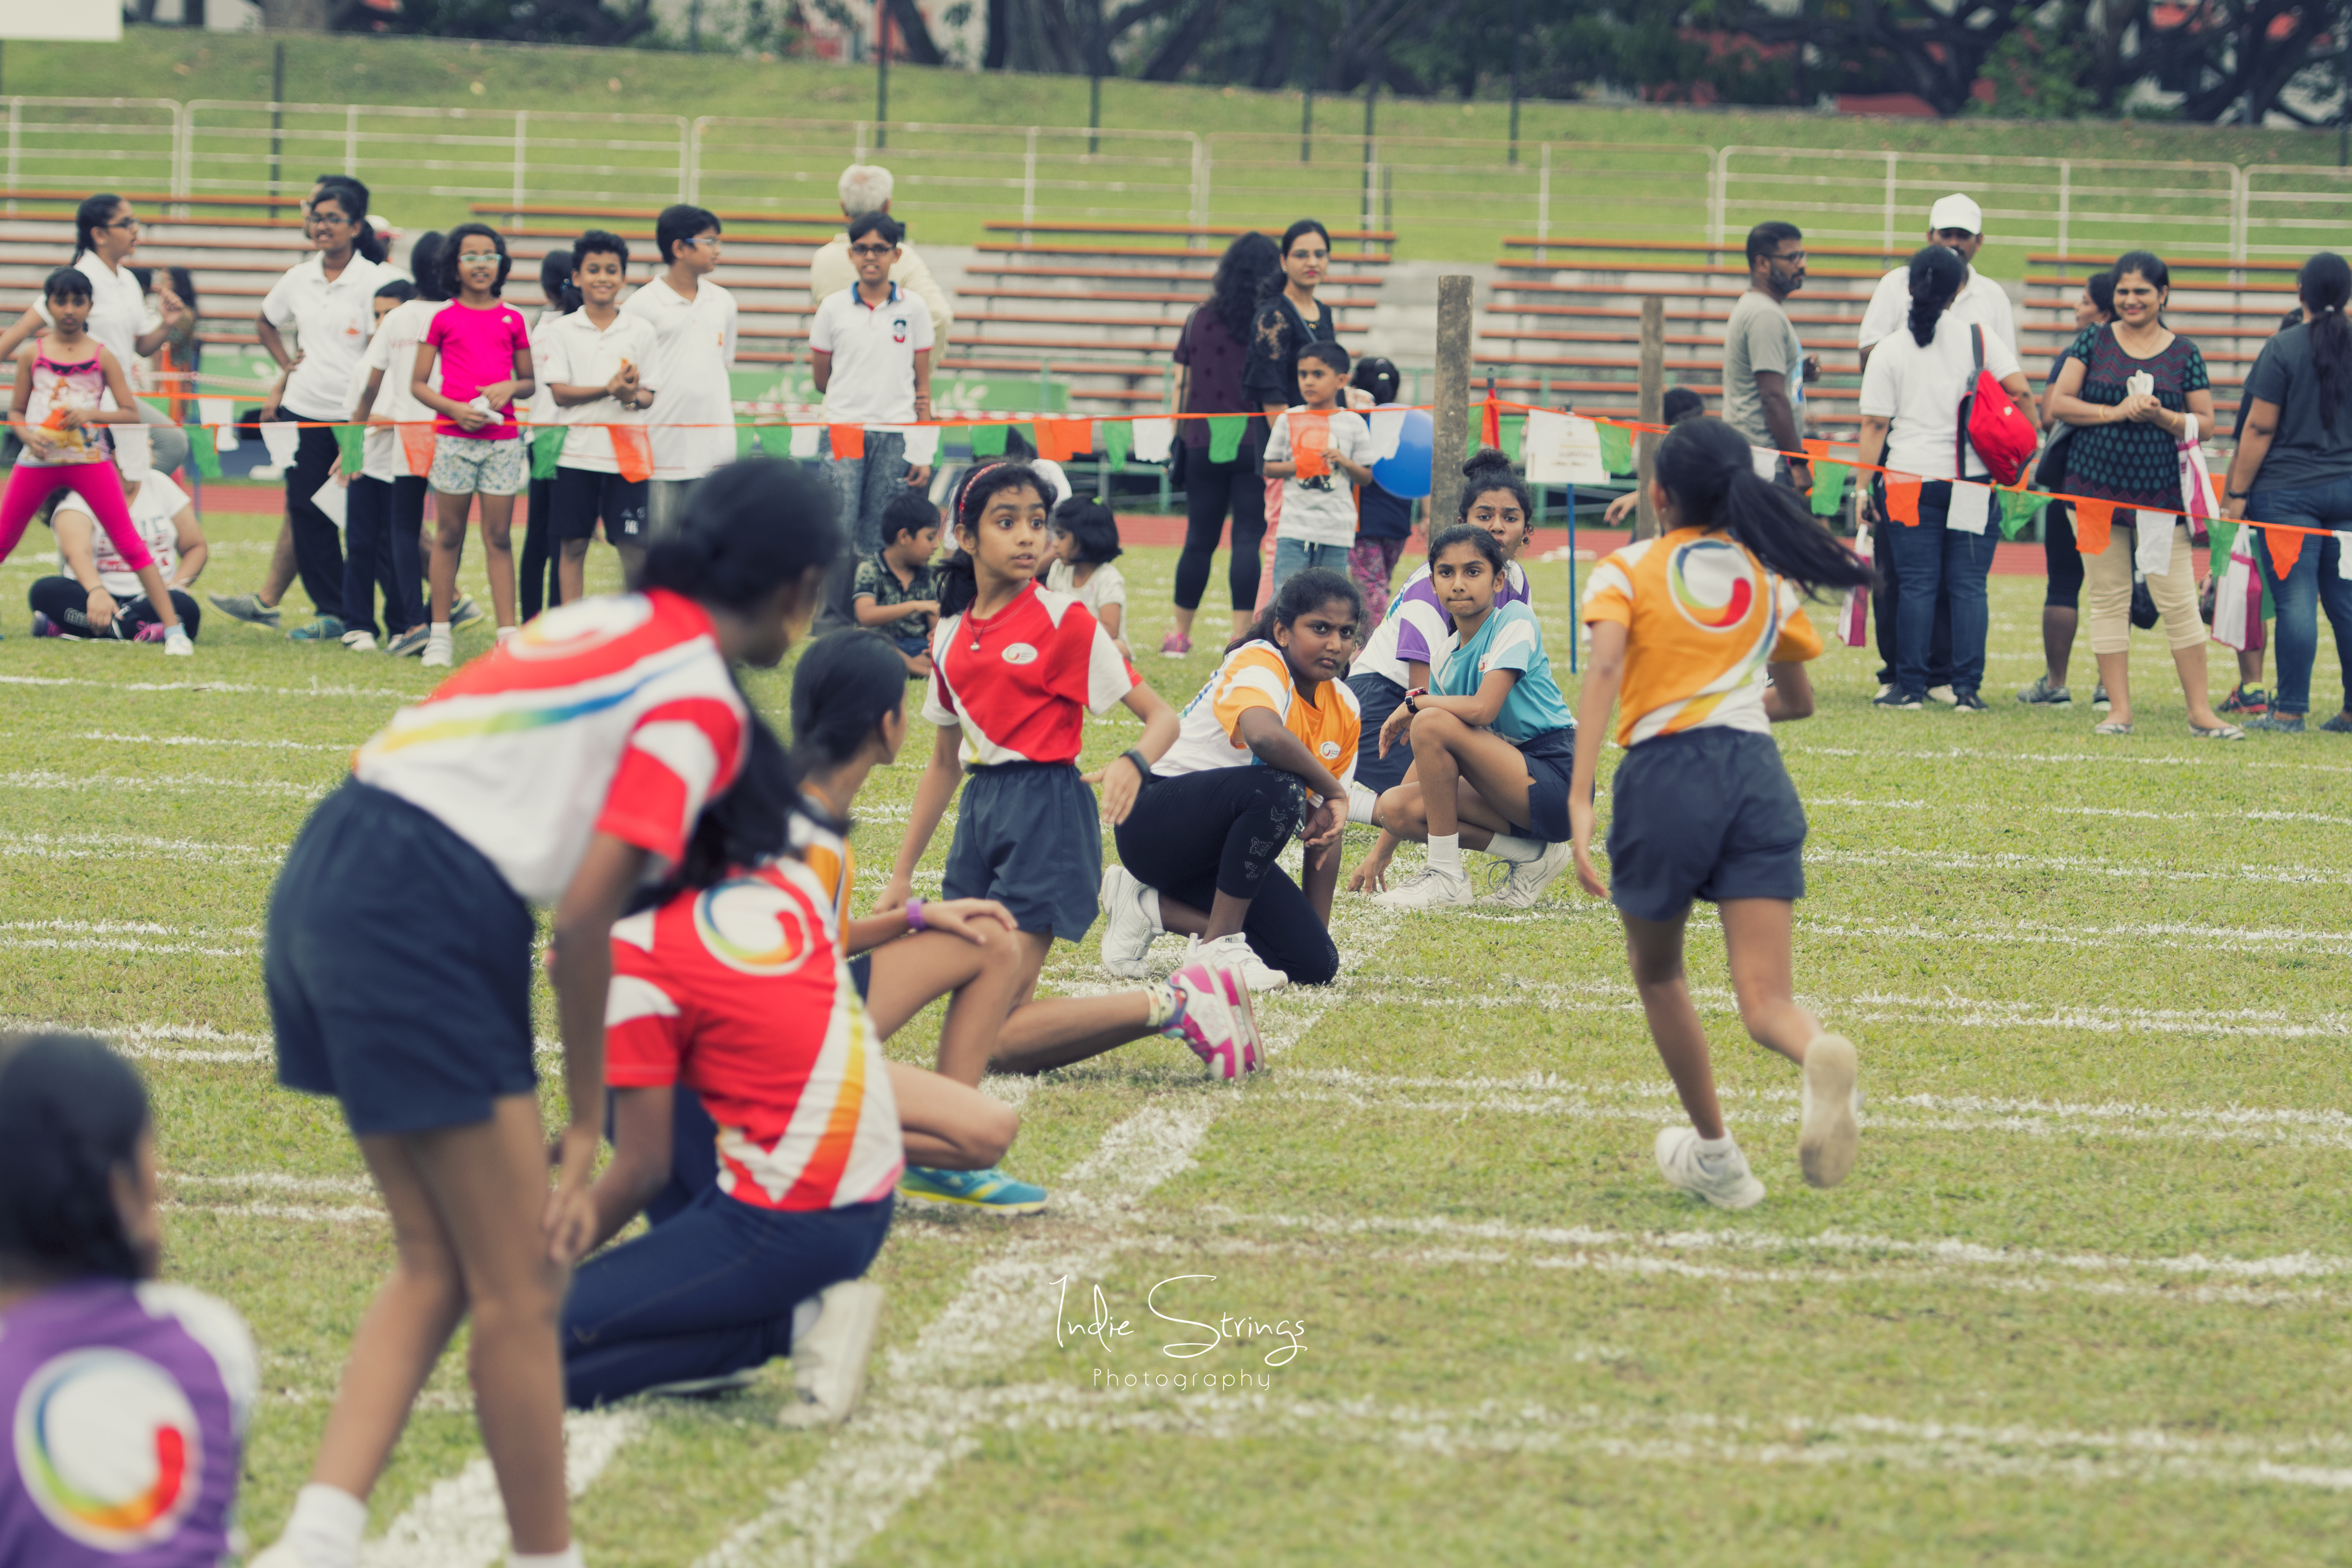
(2324, 287)
(1305, 591)
(94, 214)
(958, 578)
(352, 197)
(71, 1113)
(555, 285)
(1705, 465)
(1936, 274)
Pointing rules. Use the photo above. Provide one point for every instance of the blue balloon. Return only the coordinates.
(1407, 474)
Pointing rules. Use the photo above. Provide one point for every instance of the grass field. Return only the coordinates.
(2083, 1301)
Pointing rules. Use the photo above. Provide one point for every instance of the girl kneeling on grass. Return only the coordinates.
(1267, 751)
(1703, 629)
(568, 767)
(1014, 670)
(1491, 739)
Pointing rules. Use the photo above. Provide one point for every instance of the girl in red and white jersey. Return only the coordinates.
(568, 767)
(1014, 670)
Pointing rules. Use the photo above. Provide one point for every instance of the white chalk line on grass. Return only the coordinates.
(165, 782)
(125, 936)
(2236, 758)
(128, 845)
(231, 688)
(2139, 934)
(460, 1522)
(928, 1414)
(2320, 1460)
(2014, 809)
(1966, 860)
(154, 1041)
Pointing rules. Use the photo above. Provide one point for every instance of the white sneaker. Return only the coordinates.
(1725, 1182)
(437, 655)
(1234, 949)
(1217, 1021)
(829, 1362)
(1129, 928)
(1829, 1135)
(1884, 687)
(1429, 889)
(360, 642)
(1529, 878)
(176, 644)
(1944, 695)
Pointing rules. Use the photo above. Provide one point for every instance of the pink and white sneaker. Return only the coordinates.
(1217, 1021)
(1175, 645)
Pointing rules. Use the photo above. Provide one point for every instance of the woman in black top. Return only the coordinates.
(1213, 357)
(1290, 319)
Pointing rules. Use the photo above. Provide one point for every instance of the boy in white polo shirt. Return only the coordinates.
(871, 352)
(693, 348)
(595, 358)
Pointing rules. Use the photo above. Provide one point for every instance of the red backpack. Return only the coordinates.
(1990, 422)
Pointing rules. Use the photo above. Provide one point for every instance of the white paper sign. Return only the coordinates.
(1153, 437)
(1971, 508)
(1765, 461)
(1563, 449)
(134, 450)
(922, 445)
(1388, 429)
(220, 413)
(804, 439)
(2152, 554)
(282, 437)
(332, 499)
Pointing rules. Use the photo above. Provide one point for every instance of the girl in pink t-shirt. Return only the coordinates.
(483, 347)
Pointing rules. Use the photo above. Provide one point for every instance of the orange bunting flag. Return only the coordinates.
(1817, 451)
(1903, 499)
(2220, 489)
(416, 446)
(1060, 440)
(634, 452)
(1310, 443)
(2094, 520)
(2286, 546)
(1490, 428)
(848, 441)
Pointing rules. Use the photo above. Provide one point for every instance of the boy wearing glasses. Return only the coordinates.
(693, 319)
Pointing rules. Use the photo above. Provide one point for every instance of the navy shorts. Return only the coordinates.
(1708, 813)
(1551, 762)
(1376, 697)
(580, 496)
(1029, 835)
(398, 963)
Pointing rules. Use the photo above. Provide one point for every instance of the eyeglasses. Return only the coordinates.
(872, 250)
(121, 222)
(478, 259)
(337, 219)
(708, 241)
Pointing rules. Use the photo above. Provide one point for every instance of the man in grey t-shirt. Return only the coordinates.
(1764, 366)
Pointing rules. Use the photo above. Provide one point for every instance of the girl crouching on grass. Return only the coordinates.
(1702, 630)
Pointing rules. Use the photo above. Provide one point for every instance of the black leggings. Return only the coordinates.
(541, 550)
(1197, 835)
(1210, 491)
(67, 602)
(2061, 558)
(381, 546)
(317, 542)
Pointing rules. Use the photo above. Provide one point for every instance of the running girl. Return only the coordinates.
(129, 1399)
(1702, 629)
(64, 379)
(1014, 670)
(569, 769)
(1081, 542)
(1397, 657)
(1267, 749)
(1491, 739)
(484, 352)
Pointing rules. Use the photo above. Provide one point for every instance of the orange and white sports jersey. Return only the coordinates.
(737, 993)
(829, 858)
(1256, 675)
(1702, 618)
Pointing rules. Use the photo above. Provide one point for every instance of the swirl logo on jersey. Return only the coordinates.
(1712, 583)
(583, 625)
(108, 1448)
(753, 926)
(1330, 750)
(1020, 653)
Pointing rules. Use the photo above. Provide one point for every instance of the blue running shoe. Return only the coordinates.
(992, 1190)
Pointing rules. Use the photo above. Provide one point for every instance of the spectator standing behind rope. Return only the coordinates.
(2294, 466)
(1765, 368)
(692, 429)
(2130, 389)
(539, 582)
(106, 231)
(865, 188)
(1911, 397)
(1211, 357)
(2062, 599)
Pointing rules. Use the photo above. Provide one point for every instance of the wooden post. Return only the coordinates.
(1452, 400)
(1653, 409)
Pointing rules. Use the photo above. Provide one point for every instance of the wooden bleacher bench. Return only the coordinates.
(833, 221)
(1736, 251)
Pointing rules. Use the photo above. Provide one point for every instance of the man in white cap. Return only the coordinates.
(865, 188)
(1957, 223)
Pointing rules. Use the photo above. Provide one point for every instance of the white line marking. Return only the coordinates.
(125, 845)
(1962, 860)
(223, 686)
(118, 936)
(160, 782)
(461, 1524)
(217, 741)
(147, 1041)
(2236, 758)
(2321, 819)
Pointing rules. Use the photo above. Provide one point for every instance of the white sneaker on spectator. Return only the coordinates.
(1234, 949)
(1723, 1180)
(436, 653)
(1944, 695)
(829, 1361)
(1428, 890)
(360, 641)
(1529, 878)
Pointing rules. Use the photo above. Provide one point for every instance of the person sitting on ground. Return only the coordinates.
(1081, 542)
(97, 594)
(896, 590)
(1267, 749)
(1681, 403)
(130, 1399)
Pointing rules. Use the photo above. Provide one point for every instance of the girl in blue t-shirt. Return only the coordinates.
(1493, 740)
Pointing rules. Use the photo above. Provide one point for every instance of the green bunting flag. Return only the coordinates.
(1514, 432)
(1616, 448)
(1829, 488)
(747, 443)
(204, 447)
(546, 447)
(1225, 437)
(353, 441)
(2017, 510)
(988, 440)
(1117, 440)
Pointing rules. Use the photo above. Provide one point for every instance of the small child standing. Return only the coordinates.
(1081, 542)
(896, 590)
(484, 350)
(1311, 449)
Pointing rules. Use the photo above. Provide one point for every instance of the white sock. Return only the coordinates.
(1713, 1150)
(1148, 902)
(805, 1316)
(441, 633)
(1445, 853)
(506, 634)
(1518, 850)
(568, 1558)
(325, 1526)
(1361, 803)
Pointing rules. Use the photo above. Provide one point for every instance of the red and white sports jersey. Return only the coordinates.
(1021, 682)
(614, 715)
(738, 993)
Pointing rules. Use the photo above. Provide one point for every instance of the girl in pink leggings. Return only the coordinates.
(63, 377)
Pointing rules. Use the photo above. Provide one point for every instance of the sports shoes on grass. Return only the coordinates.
(463, 611)
(360, 641)
(1969, 702)
(1907, 701)
(1175, 645)
(411, 642)
(2252, 700)
(326, 629)
(177, 644)
(829, 1361)
(1217, 1021)
(2042, 692)
(2340, 725)
(719, 1387)
(1129, 927)
(152, 631)
(1429, 889)
(246, 607)
(2278, 723)
(1724, 1180)
(2218, 732)
(1944, 694)
(44, 628)
(1829, 1135)
(2099, 697)
(1234, 949)
(1529, 878)
(990, 1189)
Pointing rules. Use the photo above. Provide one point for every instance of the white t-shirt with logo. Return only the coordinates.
(694, 402)
(873, 349)
(332, 320)
(157, 502)
(579, 353)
